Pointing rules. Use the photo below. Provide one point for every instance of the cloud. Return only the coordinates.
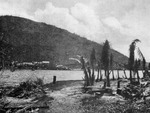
(89, 23)
(79, 19)
(18, 8)
(113, 23)
(55, 15)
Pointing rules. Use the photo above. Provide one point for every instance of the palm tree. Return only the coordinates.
(92, 61)
(87, 83)
(105, 60)
(131, 56)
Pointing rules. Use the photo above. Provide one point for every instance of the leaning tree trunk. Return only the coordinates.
(87, 83)
(125, 73)
(138, 77)
(89, 76)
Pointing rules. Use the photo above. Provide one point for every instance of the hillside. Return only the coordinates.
(34, 41)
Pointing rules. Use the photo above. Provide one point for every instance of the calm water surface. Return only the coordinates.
(47, 75)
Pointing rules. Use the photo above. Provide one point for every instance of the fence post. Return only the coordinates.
(54, 79)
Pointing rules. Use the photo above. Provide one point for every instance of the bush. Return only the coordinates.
(27, 88)
(133, 92)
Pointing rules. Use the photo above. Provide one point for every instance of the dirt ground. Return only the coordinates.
(69, 98)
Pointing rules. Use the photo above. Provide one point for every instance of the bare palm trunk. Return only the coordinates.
(125, 73)
(89, 72)
(93, 76)
(113, 76)
(118, 74)
(86, 77)
(101, 75)
(130, 76)
(98, 75)
(138, 77)
(87, 83)
(107, 77)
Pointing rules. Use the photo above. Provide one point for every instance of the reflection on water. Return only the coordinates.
(47, 75)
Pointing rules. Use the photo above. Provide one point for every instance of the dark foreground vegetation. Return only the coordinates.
(28, 96)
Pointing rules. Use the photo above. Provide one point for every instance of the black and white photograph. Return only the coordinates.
(74, 56)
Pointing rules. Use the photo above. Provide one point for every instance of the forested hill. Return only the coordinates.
(35, 41)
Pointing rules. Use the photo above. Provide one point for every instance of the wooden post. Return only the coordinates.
(54, 79)
(105, 83)
(118, 87)
(118, 84)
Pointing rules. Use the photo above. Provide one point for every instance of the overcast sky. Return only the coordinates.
(119, 21)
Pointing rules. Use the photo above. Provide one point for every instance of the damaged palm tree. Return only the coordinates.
(136, 67)
(89, 77)
(105, 61)
(85, 66)
(86, 77)
(92, 61)
(131, 57)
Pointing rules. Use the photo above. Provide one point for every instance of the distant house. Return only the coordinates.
(33, 65)
(46, 62)
(27, 63)
(61, 67)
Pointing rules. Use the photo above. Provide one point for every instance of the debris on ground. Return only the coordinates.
(23, 97)
(135, 92)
